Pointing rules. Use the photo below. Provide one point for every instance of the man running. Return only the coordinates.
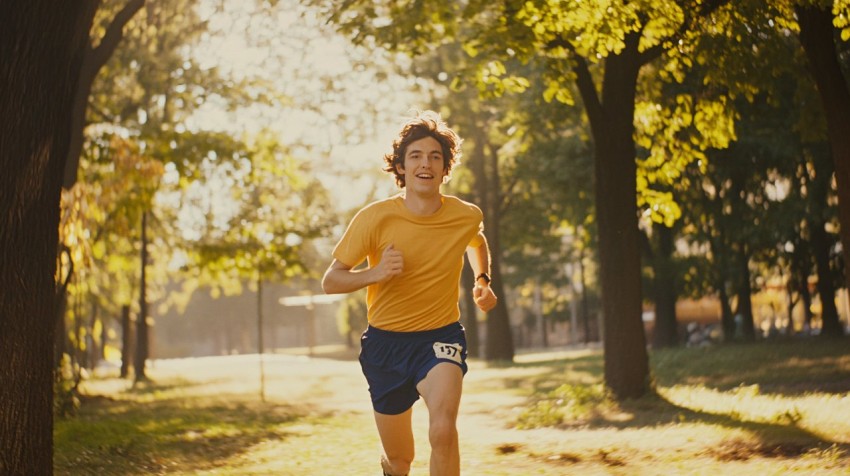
(414, 244)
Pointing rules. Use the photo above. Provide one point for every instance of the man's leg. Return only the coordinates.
(397, 438)
(441, 390)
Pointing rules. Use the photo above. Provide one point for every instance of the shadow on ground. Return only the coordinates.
(147, 434)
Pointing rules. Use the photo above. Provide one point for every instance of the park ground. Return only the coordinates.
(763, 409)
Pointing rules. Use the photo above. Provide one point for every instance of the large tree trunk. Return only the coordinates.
(612, 126)
(41, 44)
(817, 37)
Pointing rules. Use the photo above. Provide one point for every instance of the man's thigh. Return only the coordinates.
(441, 389)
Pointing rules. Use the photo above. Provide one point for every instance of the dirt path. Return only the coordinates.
(337, 434)
(334, 432)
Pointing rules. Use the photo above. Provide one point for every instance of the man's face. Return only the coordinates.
(423, 166)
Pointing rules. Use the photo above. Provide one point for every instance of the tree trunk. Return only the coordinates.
(60, 340)
(41, 44)
(126, 340)
(142, 320)
(727, 319)
(470, 319)
(585, 311)
(821, 244)
(817, 38)
(104, 338)
(799, 282)
(744, 310)
(666, 331)
(612, 126)
(826, 289)
(260, 340)
(499, 344)
(92, 348)
(721, 254)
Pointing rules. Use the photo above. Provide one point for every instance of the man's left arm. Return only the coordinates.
(479, 259)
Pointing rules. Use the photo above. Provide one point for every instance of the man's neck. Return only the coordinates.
(423, 205)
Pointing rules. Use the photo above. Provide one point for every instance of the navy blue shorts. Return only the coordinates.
(395, 362)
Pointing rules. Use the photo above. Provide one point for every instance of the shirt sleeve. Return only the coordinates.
(355, 244)
(476, 240)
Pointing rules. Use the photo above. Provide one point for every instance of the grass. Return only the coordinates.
(150, 431)
(768, 408)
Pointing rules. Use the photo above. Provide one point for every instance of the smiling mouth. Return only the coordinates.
(424, 176)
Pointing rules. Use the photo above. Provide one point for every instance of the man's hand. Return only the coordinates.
(392, 264)
(484, 297)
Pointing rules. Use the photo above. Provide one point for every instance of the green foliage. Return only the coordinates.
(279, 208)
(100, 218)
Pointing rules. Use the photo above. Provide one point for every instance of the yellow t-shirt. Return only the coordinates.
(425, 295)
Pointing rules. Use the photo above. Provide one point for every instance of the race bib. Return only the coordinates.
(448, 351)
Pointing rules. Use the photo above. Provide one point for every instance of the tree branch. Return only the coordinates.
(93, 61)
(584, 81)
(113, 36)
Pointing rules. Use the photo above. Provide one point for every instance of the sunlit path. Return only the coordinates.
(203, 416)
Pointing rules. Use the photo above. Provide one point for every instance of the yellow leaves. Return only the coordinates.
(715, 122)
(556, 89)
(99, 250)
(491, 80)
(660, 207)
(596, 29)
(841, 19)
(665, 18)
(674, 136)
(494, 68)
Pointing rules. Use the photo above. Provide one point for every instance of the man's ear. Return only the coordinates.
(399, 167)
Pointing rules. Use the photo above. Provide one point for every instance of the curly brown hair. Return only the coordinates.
(424, 124)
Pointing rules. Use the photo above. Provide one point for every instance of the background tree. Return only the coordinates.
(99, 228)
(819, 40)
(147, 91)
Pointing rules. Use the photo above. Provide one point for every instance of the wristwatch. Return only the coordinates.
(484, 276)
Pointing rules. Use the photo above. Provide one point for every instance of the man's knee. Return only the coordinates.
(442, 432)
(397, 466)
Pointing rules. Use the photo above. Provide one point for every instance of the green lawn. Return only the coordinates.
(768, 408)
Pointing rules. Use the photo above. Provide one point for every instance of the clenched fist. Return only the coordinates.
(392, 264)
(484, 297)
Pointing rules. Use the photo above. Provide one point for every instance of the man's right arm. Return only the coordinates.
(341, 278)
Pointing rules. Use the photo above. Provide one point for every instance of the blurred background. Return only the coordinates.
(223, 146)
